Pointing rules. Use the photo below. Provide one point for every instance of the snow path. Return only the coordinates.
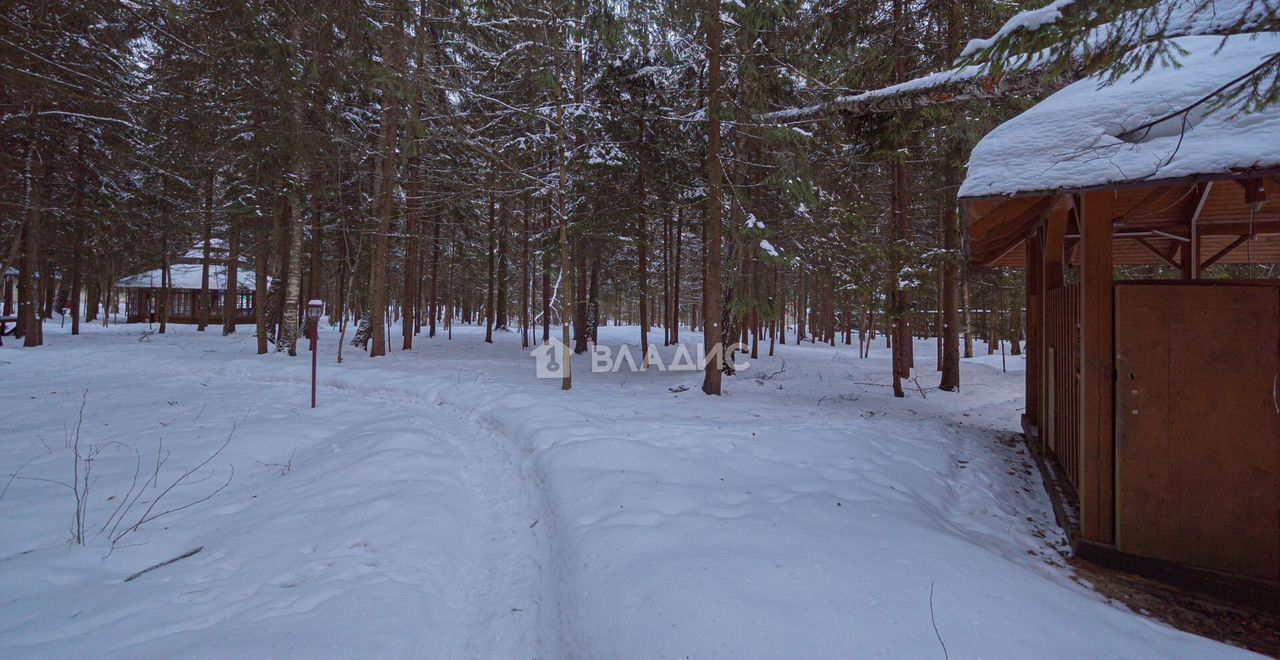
(414, 536)
(499, 589)
(445, 504)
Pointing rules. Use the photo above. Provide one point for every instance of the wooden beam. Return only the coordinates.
(998, 217)
(1224, 251)
(1097, 370)
(1192, 258)
(1147, 199)
(1168, 259)
(1269, 225)
(1171, 236)
(996, 239)
(1255, 192)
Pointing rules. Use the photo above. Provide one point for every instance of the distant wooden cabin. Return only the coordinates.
(142, 292)
(1152, 393)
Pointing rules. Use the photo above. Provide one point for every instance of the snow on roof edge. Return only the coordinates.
(1078, 139)
(188, 276)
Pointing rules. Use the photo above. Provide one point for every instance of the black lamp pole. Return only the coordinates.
(314, 309)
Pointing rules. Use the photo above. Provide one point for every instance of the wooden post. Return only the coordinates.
(1054, 243)
(1191, 258)
(1035, 294)
(1097, 369)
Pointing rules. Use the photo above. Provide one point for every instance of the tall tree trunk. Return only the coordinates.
(411, 256)
(562, 215)
(501, 299)
(546, 295)
(711, 290)
(778, 322)
(525, 275)
(386, 178)
(261, 294)
(1015, 330)
(338, 312)
(593, 299)
(579, 289)
(29, 319)
(315, 275)
(203, 321)
(702, 265)
(950, 380)
(287, 338)
(91, 299)
(78, 219)
(489, 288)
(15, 248)
(675, 278)
(433, 303)
(452, 296)
(993, 335)
(642, 246)
(801, 307)
(30, 323)
(901, 362)
(231, 298)
(166, 283)
(666, 279)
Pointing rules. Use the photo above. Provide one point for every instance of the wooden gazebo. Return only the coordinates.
(144, 291)
(1152, 393)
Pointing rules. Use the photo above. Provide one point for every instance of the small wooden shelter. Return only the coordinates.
(1152, 394)
(144, 291)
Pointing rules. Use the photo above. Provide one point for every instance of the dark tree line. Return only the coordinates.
(519, 165)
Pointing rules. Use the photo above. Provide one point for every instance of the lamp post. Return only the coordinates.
(314, 309)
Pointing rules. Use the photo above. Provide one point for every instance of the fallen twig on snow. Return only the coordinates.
(763, 377)
(165, 563)
(934, 621)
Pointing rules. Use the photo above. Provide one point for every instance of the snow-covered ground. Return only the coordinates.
(444, 503)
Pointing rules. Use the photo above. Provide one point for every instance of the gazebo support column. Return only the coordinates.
(1035, 324)
(1097, 366)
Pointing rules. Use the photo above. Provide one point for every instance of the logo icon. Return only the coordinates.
(547, 359)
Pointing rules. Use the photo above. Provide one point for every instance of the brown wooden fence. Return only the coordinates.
(1060, 405)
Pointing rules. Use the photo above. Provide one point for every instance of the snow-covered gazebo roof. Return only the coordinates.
(217, 250)
(1177, 174)
(187, 276)
(1083, 136)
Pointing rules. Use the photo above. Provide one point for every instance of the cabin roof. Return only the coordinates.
(217, 250)
(187, 276)
(1083, 136)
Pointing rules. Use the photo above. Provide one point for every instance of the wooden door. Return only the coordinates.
(1197, 425)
